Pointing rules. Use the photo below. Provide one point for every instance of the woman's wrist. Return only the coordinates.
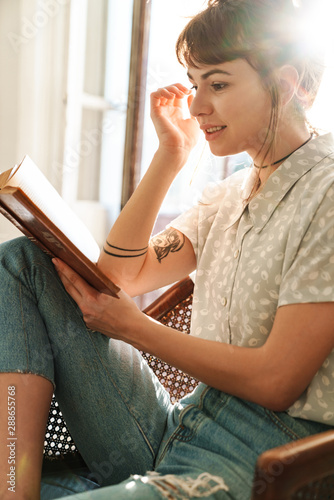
(140, 336)
(175, 158)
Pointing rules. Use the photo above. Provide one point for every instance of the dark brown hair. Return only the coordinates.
(263, 32)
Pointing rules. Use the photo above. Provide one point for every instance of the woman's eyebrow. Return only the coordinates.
(211, 72)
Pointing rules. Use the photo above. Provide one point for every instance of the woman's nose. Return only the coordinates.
(200, 105)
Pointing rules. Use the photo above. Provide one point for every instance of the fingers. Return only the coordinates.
(73, 283)
(190, 99)
(176, 90)
(100, 312)
(83, 294)
(169, 94)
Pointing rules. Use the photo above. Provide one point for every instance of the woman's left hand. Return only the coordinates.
(116, 318)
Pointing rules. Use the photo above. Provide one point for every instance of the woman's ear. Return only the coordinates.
(288, 79)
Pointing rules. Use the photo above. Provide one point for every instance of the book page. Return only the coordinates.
(32, 181)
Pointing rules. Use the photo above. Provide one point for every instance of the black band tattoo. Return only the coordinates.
(167, 242)
(124, 256)
(127, 249)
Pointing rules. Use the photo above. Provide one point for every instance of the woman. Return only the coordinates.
(262, 246)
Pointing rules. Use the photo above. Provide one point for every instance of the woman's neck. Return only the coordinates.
(286, 144)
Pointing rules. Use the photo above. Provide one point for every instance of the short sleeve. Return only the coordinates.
(196, 223)
(309, 275)
(187, 224)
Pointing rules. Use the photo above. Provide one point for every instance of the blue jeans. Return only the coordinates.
(134, 442)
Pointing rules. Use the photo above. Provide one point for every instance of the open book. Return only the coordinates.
(34, 206)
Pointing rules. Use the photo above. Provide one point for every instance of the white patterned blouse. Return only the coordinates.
(276, 250)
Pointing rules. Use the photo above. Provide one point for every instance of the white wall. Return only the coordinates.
(9, 60)
(33, 62)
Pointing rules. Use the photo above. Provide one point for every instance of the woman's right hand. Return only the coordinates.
(177, 134)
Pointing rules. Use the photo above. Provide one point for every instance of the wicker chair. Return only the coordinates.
(303, 469)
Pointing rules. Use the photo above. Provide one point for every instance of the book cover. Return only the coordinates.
(34, 206)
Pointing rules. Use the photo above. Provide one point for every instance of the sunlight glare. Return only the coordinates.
(317, 31)
(130, 485)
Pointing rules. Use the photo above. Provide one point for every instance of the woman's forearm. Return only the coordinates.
(125, 249)
(273, 375)
(239, 371)
(129, 236)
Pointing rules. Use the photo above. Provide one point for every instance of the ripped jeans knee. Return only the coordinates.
(179, 487)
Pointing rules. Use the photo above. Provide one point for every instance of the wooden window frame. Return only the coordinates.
(136, 97)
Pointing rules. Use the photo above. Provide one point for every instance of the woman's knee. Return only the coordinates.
(20, 257)
(19, 248)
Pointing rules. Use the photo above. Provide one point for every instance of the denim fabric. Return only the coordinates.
(62, 484)
(114, 406)
(135, 443)
(209, 450)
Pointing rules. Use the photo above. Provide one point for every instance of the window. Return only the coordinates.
(64, 98)
(97, 87)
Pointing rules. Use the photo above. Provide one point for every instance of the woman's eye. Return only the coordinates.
(194, 87)
(218, 86)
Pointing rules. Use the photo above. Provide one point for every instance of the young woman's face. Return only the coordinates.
(232, 107)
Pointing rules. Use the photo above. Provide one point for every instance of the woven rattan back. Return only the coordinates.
(177, 383)
(58, 441)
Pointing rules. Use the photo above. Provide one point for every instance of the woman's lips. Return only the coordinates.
(211, 133)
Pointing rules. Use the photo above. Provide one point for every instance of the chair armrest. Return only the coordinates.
(169, 299)
(283, 470)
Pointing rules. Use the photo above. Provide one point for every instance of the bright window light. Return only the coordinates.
(317, 31)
